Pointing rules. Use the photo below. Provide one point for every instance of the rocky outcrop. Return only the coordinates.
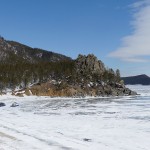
(63, 89)
(2, 104)
(58, 75)
(89, 65)
(88, 79)
(15, 104)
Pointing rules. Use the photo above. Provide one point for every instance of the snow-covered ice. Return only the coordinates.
(43, 123)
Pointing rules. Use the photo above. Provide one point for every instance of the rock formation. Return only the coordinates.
(88, 80)
(89, 65)
(52, 74)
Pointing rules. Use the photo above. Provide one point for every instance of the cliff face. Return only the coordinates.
(88, 79)
(89, 65)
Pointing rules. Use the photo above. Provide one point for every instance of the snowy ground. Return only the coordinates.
(41, 123)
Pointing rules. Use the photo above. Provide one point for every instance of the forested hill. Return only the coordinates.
(21, 65)
(50, 74)
(139, 79)
(11, 52)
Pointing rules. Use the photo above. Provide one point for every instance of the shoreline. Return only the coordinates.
(64, 98)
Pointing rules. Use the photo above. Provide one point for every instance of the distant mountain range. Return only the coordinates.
(11, 51)
(139, 79)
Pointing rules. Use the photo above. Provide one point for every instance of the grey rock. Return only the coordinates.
(133, 93)
(15, 104)
(87, 140)
(2, 104)
(89, 65)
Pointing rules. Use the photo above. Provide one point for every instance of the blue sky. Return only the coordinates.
(110, 29)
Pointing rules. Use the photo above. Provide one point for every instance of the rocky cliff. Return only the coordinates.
(89, 65)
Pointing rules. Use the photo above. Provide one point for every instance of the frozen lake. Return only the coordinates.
(41, 123)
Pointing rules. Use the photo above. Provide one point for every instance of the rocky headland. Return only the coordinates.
(43, 73)
(90, 78)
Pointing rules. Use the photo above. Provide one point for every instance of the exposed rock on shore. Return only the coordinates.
(2, 104)
(90, 78)
(68, 90)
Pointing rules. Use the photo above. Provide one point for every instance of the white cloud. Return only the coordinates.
(137, 45)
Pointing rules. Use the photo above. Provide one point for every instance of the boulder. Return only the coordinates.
(2, 104)
(15, 104)
(133, 93)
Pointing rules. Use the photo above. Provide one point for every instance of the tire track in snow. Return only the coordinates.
(48, 143)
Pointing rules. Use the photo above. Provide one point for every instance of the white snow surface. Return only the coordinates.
(43, 123)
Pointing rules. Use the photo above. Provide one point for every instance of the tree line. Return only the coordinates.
(21, 74)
